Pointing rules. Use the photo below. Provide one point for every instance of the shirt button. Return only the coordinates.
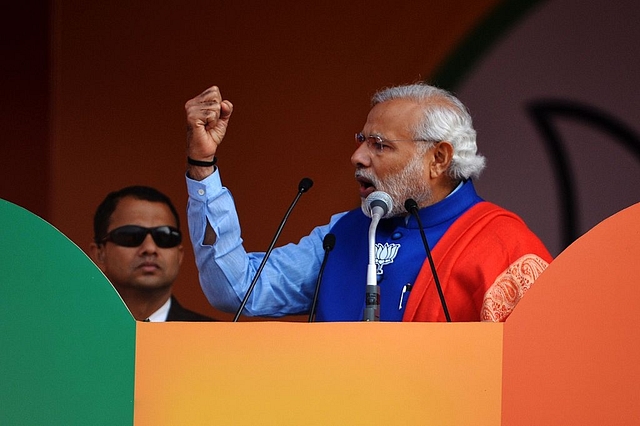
(200, 191)
(396, 235)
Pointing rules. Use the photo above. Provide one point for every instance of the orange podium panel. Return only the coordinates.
(572, 346)
(276, 373)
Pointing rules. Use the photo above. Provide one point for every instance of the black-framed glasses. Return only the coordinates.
(377, 144)
(134, 235)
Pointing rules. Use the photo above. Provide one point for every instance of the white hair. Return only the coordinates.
(445, 118)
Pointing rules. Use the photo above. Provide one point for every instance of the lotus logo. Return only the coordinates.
(385, 253)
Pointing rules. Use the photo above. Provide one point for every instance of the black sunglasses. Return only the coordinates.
(133, 236)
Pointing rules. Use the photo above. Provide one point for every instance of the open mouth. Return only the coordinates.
(366, 186)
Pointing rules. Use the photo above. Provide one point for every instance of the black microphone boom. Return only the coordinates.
(412, 207)
(328, 243)
(304, 185)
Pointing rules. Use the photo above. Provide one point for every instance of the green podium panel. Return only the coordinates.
(67, 341)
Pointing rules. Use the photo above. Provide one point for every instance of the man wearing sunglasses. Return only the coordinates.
(138, 246)
(418, 143)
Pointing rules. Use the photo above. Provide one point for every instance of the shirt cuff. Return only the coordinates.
(204, 189)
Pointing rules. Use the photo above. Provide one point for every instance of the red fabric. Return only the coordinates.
(476, 249)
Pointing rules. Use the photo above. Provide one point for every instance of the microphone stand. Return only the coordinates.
(328, 243)
(303, 187)
(379, 203)
(412, 207)
(372, 309)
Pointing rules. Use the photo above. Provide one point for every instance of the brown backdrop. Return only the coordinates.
(94, 94)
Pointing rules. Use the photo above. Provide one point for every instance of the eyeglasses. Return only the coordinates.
(133, 236)
(377, 145)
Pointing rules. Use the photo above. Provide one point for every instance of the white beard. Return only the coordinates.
(407, 183)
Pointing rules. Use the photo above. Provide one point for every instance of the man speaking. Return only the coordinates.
(457, 258)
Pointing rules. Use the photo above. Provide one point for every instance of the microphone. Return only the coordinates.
(327, 244)
(377, 206)
(304, 185)
(378, 203)
(412, 207)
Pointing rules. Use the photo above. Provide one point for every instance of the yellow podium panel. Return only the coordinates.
(277, 373)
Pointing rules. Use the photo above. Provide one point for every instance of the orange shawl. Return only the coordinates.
(485, 262)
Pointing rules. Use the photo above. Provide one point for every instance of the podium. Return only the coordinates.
(73, 355)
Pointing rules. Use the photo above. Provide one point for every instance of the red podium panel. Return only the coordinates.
(276, 373)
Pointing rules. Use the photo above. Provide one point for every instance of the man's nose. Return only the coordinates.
(148, 245)
(361, 157)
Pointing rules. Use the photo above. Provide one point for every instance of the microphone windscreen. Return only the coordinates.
(329, 242)
(305, 184)
(378, 199)
(410, 205)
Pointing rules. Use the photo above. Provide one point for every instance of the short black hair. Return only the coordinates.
(108, 206)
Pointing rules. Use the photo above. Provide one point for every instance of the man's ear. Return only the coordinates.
(442, 157)
(180, 255)
(96, 252)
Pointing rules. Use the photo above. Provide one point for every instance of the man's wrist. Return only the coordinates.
(201, 163)
(199, 169)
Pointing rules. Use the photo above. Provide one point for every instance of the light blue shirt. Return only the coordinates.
(287, 282)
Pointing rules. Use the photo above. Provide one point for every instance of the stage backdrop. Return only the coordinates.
(93, 100)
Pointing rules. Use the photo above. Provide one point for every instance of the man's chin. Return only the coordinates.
(152, 285)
